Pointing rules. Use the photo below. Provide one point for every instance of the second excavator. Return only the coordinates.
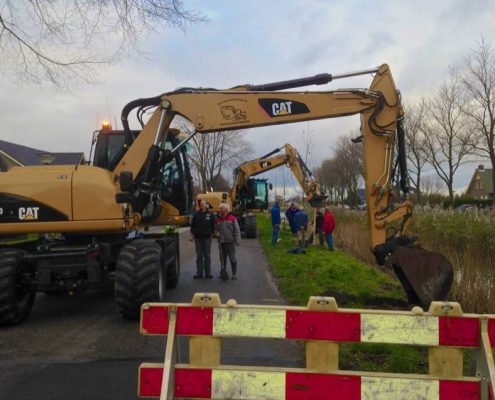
(249, 194)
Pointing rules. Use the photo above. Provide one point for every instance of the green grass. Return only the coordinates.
(320, 272)
(354, 284)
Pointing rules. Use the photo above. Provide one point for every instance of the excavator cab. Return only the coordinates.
(176, 188)
(253, 195)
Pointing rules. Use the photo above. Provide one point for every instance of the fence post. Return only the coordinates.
(322, 355)
(205, 351)
(445, 362)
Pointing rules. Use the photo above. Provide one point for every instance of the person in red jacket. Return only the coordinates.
(328, 227)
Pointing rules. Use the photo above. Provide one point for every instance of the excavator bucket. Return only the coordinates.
(425, 275)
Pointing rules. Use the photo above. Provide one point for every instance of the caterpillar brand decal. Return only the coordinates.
(21, 209)
(265, 164)
(28, 213)
(281, 107)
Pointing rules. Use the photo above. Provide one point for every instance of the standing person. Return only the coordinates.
(275, 217)
(290, 214)
(227, 229)
(319, 226)
(202, 228)
(328, 227)
(301, 222)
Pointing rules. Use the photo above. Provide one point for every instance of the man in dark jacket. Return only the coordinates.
(290, 214)
(202, 228)
(301, 222)
(275, 217)
(319, 226)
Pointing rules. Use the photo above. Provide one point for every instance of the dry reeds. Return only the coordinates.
(467, 240)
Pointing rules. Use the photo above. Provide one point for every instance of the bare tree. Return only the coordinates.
(308, 145)
(478, 80)
(431, 184)
(447, 134)
(413, 124)
(349, 163)
(212, 152)
(64, 42)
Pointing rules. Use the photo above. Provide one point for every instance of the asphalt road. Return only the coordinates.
(80, 348)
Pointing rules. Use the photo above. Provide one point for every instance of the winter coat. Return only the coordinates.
(228, 228)
(328, 223)
(301, 219)
(275, 215)
(203, 224)
(291, 212)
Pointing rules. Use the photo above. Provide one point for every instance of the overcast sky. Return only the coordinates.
(257, 42)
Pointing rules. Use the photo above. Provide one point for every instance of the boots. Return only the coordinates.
(233, 265)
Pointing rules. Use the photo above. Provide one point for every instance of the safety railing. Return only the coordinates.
(444, 330)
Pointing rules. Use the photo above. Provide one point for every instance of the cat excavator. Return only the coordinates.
(249, 194)
(83, 214)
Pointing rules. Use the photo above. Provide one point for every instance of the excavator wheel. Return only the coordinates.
(250, 226)
(16, 296)
(426, 276)
(140, 276)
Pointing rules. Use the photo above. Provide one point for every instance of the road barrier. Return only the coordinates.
(444, 330)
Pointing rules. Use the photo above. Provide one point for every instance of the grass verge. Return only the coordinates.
(354, 284)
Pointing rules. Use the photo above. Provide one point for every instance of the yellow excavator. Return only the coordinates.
(83, 214)
(249, 194)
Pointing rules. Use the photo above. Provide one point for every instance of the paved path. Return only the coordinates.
(80, 348)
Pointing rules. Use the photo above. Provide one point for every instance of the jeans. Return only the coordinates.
(329, 239)
(275, 233)
(203, 259)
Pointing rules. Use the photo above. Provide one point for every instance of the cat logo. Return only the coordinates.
(28, 213)
(265, 164)
(282, 108)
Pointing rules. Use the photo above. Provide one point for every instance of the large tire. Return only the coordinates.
(140, 276)
(250, 226)
(172, 261)
(16, 296)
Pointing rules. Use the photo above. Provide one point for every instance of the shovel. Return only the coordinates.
(224, 275)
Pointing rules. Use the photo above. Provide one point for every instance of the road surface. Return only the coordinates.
(80, 348)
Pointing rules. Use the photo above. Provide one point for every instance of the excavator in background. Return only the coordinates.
(249, 195)
(84, 213)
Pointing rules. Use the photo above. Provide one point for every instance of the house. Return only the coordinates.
(12, 155)
(481, 184)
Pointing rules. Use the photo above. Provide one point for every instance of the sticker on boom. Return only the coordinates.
(281, 107)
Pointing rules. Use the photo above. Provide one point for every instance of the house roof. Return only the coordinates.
(485, 175)
(28, 156)
(486, 179)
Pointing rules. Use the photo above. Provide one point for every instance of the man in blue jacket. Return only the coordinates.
(275, 217)
(301, 222)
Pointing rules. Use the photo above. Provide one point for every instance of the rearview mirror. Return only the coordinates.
(270, 186)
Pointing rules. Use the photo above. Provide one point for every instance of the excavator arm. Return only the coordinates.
(381, 112)
(292, 160)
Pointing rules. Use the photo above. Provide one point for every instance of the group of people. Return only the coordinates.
(298, 223)
(205, 225)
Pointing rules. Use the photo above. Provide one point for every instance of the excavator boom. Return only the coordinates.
(381, 112)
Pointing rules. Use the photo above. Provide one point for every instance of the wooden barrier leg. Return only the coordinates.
(322, 356)
(205, 351)
(445, 362)
(167, 391)
(488, 368)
